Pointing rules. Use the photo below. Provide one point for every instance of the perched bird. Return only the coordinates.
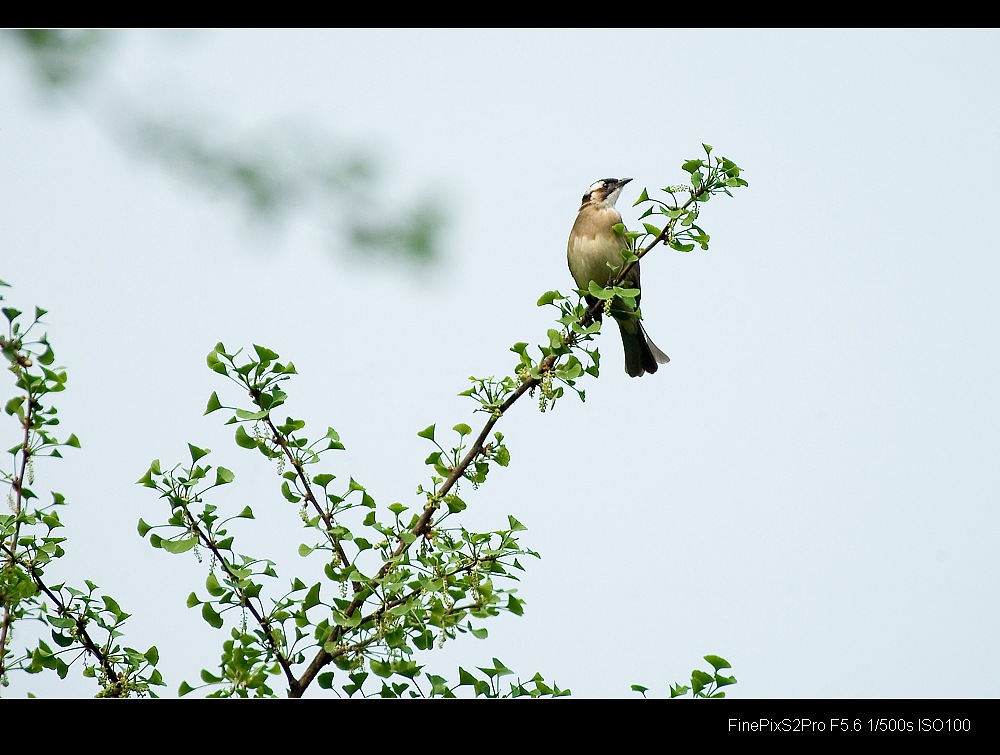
(594, 254)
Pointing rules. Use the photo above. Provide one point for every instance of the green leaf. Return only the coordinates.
(73, 441)
(644, 197)
(197, 453)
(503, 456)
(14, 406)
(312, 597)
(143, 528)
(424, 640)
(598, 292)
(427, 432)
(244, 414)
(323, 479)
(243, 439)
(179, 546)
(692, 165)
(347, 621)
(652, 229)
(213, 403)
(716, 661)
(265, 354)
(626, 293)
(223, 476)
(213, 586)
(184, 689)
(515, 526)
(700, 680)
(462, 429)
(548, 297)
(209, 677)
(498, 668)
(215, 364)
(209, 615)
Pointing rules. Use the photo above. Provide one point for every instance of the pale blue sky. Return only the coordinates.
(808, 489)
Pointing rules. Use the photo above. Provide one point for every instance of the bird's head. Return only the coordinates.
(605, 191)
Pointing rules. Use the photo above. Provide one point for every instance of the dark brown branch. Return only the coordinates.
(310, 496)
(421, 526)
(244, 600)
(423, 523)
(8, 617)
(84, 637)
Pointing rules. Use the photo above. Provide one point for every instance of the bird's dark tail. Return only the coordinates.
(641, 354)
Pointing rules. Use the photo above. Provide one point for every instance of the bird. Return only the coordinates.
(594, 254)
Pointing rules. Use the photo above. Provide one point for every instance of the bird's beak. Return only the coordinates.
(623, 181)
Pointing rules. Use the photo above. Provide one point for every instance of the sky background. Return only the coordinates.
(809, 488)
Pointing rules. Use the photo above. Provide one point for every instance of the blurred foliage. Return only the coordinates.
(62, 57)
(274, 176)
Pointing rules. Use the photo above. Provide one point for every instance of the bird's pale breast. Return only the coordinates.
(593, 245)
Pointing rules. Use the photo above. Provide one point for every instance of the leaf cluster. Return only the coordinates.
(82, 624)
(703, 684)
(398, 579)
